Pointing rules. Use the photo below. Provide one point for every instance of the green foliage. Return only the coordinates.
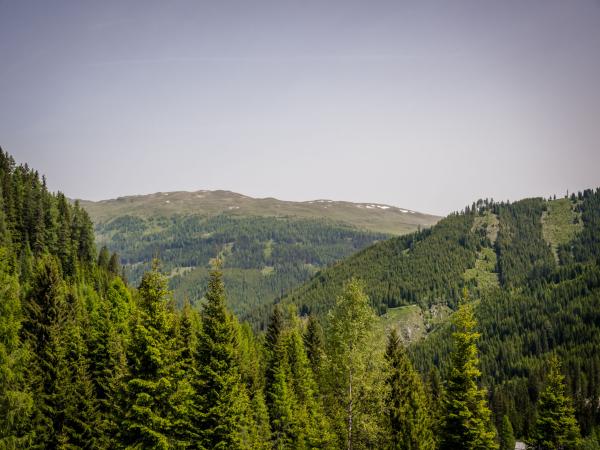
(88, 362)
(153, 400)
(506, 436)
(409, 422)
(263, 257)
(425, 267)
(314, 345)
(522, 251)
(16, 402)
(467, 422)
(221, 399)
(556, 427)
(353, 386)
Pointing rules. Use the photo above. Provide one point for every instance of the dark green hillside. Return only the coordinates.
(425, 268)
(262, 256)
(528, 304)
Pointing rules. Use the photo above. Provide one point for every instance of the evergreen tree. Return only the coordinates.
(506, 435)
(150, 388)
(252, 372)
(74, 389)
(45, 317)
(313, 427)
(114, 264)
(313, 342)
(409, 421)
(103, 257)
(16, 403)
(467, 423)
(222, 400)
(279, 396)
(556, 427)
(107, 338)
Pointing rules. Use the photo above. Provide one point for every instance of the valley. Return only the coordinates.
(267, 247)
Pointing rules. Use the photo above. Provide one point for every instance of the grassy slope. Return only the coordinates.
(370, 216)
(560, 223)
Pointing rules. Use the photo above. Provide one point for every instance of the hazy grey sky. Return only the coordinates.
(424, 105)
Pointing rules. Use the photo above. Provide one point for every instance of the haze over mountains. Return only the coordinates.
(370, 216)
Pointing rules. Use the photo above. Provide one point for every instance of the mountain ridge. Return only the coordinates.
(372, 216)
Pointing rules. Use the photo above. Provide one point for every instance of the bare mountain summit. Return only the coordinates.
(370, 216)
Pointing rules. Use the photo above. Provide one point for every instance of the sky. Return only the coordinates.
(423, 105)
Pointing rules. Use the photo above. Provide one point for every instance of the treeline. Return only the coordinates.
(34, 222)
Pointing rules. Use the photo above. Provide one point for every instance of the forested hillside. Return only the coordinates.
(267, 246)
(262, 257)
(532, 270)
(88, 361)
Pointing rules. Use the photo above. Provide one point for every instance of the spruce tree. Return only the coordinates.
(43, 325)
(16, 402)
(313, 342)
(150, 387)
(506, 434)
(103, 257)
(467, 418)
(114, 264)
(108, 337)
(409, 421)
(556, 427)
(252, 371)
(279, 396)
(221, 398)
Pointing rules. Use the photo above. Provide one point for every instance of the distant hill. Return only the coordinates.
(368, 216)
(267, 246)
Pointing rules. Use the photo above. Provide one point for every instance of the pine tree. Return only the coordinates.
(221, 399)
(467, 423)
(353, 386)
(114, 264)
(279, 397)
(107, 335)
(150, 387)
(252, 372)
(409, 421)
(74, 389)
(313, 427)
(313, 342)
(16, 402)
(44, 321)
(556, 427)
(506, 435)
(103, 257)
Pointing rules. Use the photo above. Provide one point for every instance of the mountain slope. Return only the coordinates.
(369, 216)
(267, 246)
(532, 268)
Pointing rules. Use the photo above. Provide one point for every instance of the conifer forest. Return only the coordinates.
(91, 360)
